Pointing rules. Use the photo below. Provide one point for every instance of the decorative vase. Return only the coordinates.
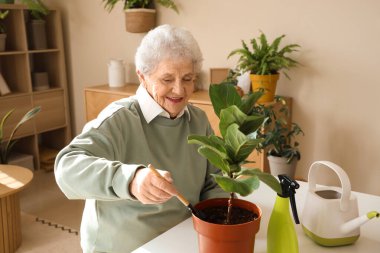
(266, 82)
(220, 238)
(116, 73)
(279, 165)
(38, 34)
(140, 20)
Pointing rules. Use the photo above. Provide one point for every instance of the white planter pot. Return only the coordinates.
(278, 166)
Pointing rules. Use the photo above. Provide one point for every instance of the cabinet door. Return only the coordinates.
(214, 120)
(52, 115)
(97, 101)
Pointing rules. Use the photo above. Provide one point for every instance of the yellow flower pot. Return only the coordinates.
(266, 82)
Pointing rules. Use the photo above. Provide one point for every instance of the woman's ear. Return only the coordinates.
(141, 77)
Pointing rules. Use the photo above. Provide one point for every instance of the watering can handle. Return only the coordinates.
(344, 181)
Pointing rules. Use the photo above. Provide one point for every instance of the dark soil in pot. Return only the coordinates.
(218, 215)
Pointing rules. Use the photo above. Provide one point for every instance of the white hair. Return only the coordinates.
(167, 42)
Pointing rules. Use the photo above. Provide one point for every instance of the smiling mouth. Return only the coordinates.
(174, 100)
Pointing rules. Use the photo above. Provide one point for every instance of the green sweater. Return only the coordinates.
(100, 163)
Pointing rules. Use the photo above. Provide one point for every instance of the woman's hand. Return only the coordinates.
(152, 189)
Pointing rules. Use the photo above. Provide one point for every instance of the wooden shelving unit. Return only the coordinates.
(51, 127)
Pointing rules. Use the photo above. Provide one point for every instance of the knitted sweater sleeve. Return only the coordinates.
(88, 169)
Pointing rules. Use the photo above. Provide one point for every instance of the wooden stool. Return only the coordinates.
(12, 180)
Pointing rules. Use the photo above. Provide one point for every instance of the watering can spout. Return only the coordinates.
(357, 222)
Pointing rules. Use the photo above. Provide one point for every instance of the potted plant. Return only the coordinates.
(279, 138)
(140, 15)
(229, 152)
(3, 35)
(37, 23)
(264, 61)
(7, 146)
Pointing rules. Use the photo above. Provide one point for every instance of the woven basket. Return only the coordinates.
(140, 20)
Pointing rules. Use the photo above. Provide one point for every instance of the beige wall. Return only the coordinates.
(335, 91)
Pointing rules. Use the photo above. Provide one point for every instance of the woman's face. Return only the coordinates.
(171, 84)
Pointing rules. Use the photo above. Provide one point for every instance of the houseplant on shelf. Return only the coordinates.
(3, 35)
(264, 62)
(279, 138)
(37, 23)
(140, 15)
(238, 127)
(7, 146)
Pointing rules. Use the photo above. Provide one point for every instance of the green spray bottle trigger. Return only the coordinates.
(288, 188)
(282, 237)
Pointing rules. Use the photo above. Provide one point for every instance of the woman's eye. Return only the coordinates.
(188, 79)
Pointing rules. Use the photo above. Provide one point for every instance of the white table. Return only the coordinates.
(183, 238)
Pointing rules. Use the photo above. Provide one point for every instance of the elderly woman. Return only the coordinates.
(126, 204)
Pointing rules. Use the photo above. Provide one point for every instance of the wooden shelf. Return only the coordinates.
(51, 127)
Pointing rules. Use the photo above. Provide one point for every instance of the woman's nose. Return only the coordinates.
(178, 88)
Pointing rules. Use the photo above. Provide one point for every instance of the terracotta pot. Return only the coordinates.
(278, 166)
(218, 238)
(266, 82)
(140, 20)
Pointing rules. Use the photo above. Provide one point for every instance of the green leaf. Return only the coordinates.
(243, 187)
(249, 101)
(3, 120)
(246, 149)
(266, 178)
(252, 123)
(214, 158)
(212, 142)
(229, 116)
(29, 115)
(168, 4)
(234, 138)
(223, 95)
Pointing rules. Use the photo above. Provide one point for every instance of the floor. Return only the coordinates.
(43, 203)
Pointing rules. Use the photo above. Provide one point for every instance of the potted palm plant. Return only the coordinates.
(279, 138)
(37, 23)
(7, 146)
(264, 61)
(3, 35)
(140, 15)
(222, 231)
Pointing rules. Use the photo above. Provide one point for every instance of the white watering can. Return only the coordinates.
(330, 215)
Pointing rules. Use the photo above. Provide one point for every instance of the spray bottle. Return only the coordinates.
(282, 237)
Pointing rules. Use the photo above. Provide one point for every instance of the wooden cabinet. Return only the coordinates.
(19, 66)
(98, 97)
